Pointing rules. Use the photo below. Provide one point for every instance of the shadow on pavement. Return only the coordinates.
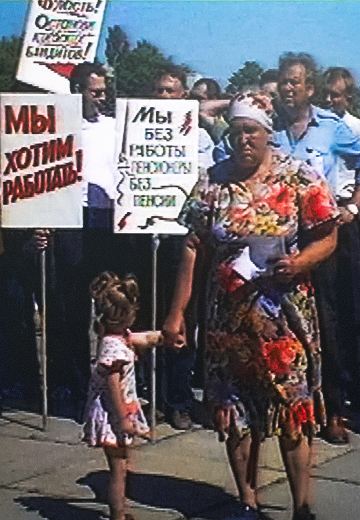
(188, 497)
(58, 508)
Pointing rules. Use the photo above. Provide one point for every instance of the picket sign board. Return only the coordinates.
(58, 33)
(41, 160)
(157, 163)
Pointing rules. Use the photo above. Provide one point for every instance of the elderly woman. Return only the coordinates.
(259, 222)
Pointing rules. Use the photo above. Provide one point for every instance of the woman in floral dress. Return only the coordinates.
(259, 223)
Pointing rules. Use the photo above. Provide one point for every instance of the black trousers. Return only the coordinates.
(337, 293)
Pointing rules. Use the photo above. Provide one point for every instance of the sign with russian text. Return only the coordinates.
(157, 163)
(41, 160)
(59, 34)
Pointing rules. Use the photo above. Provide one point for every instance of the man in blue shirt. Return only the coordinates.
(320, 137)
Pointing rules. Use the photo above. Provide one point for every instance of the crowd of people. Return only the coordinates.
(267, 292)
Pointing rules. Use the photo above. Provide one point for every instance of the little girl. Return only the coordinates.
(113, 415)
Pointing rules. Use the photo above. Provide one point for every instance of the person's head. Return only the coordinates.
(204, 89)
(339, 90)
(249, 116)
(115, 301)
(297, 79)
(170, 83)
(89, 79)
(268, 82)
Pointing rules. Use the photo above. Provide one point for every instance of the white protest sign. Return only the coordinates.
(157, 163)
(41, 160)
(59, 34)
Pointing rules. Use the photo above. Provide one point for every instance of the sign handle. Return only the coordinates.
(155, 242)
(43, 339)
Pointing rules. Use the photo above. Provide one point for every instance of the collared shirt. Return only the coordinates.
(346, 177)
(99, 166)
(326, 138)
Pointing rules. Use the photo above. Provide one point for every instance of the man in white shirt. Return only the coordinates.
(98, 142)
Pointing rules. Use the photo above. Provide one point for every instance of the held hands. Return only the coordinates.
(173, 331)
(146, 339)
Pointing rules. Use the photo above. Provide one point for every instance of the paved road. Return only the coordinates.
(184, 475)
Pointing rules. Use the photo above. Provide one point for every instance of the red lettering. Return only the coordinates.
(14, 124)
(71, 174)
(36, 158)
(39, 182)
(28, 186)
(7, 191)
(57, 181)
(18, 189)
(11, 165)
(49, 152)
(23, 158)
(64, 149)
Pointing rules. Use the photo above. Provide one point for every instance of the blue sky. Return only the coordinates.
(215, 38)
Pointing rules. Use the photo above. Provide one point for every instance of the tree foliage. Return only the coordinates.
(10, 49)
(247, 76)
(134, 69)
(117, 45)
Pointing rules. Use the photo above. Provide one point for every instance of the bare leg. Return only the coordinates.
(117, 461)
(243, 454)
(297, 457)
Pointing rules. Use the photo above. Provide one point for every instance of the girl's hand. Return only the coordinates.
(224, 418)
(146, 339)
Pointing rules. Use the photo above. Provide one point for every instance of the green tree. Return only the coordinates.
(247, 76)
(117, 45)
(10, 49)
(134, 69)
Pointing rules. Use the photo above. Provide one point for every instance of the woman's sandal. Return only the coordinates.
(335, 432)
(304, 513)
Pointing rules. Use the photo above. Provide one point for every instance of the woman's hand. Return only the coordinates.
(173, 331)
(346, 217)
(309, 258)
(289, 267)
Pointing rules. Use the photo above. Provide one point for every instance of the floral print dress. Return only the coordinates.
(103, 426)
(262, 347)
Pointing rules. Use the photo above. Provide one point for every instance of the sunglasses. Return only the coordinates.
(98, 92)
(168, 90)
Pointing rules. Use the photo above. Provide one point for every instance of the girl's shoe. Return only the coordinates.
(245, 512)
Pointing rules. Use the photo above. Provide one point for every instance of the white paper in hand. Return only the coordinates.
(245, 267)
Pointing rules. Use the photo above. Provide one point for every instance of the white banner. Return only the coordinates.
(157, 163)
(41, 160)
(59, 34)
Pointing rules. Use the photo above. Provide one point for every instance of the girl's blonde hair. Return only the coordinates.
(115, 300)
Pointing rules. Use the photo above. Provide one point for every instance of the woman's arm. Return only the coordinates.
(309, 258)
(173, 328)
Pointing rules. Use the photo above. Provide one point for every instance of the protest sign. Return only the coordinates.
(157, 163)
(59, 34)
(41, 160)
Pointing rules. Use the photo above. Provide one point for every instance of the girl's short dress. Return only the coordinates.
(102, 426)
